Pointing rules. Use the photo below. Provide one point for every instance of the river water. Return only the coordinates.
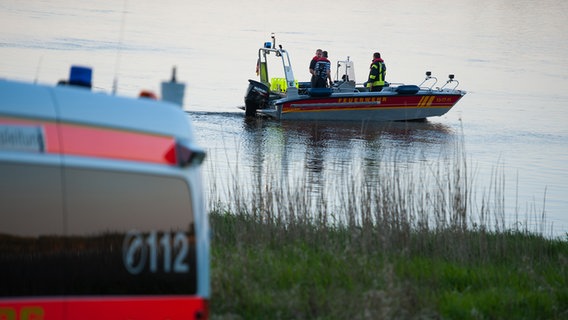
(510, 55)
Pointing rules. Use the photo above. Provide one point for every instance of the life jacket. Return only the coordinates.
(323, 65)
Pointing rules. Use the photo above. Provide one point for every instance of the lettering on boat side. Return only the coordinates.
(366, 99)
(444, 99)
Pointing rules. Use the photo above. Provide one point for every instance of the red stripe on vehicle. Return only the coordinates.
(90, 141)
(140, 308)
(116, 144)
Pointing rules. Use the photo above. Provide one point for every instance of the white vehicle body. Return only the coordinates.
(101, 207)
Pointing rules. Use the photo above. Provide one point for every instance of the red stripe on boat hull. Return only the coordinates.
(371, 103)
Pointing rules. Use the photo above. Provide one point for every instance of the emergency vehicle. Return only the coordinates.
(102, 213)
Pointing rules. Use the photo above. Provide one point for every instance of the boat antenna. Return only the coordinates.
(273, 40)
(173, 74)
(119, 49)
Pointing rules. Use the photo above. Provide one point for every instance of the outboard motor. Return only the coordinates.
(256, 97)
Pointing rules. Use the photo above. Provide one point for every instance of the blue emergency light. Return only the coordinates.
(81, 76)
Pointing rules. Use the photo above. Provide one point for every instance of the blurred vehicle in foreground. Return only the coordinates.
(102, 213)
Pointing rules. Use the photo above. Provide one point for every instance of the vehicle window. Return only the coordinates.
(124, 233)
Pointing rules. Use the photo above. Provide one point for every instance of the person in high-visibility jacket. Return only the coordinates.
(377, 73)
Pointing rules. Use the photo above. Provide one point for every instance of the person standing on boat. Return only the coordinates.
(313, 66)
(323, 72)
(376, 80)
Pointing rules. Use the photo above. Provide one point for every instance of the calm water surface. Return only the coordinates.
(511, 56)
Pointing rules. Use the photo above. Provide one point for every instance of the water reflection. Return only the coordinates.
(315, 153)
(420, 131)
(322, 159)
(322, 139)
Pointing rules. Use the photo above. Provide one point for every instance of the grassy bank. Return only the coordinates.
(398, 243)
(266, 271)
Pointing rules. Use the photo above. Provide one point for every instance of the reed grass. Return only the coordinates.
(414, 242)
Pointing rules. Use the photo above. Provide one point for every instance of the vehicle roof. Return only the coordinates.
(81, 105)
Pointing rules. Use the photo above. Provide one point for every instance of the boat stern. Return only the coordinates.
(256, 97)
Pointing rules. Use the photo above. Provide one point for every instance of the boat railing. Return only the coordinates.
(429, 78)
(262, 66)
(451, 80)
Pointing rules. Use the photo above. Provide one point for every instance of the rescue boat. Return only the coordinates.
(287, 99)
